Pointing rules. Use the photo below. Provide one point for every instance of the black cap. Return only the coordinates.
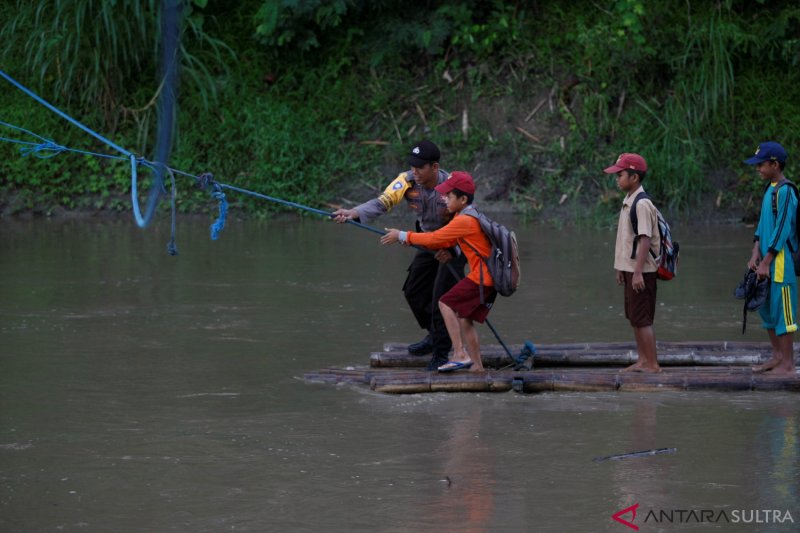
(423, 153)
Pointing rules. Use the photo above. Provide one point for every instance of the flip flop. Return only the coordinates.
(452, 366)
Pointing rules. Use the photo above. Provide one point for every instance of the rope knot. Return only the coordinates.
(47, 146)
(205, 180)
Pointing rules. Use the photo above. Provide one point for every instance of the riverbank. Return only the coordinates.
(533, 100)
(554, 211)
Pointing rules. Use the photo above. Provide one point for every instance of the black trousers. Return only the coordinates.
(427, 281)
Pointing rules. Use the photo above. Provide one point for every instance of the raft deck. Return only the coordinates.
(583, 367)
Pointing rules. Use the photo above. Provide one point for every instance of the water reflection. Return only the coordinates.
(468, 503)
(750, 466)
(142, 392)
(777, 455)
(638, 480)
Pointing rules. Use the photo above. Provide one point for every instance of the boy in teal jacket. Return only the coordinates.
(775, 240)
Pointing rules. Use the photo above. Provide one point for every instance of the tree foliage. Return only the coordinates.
(299, 96)
(95, 55)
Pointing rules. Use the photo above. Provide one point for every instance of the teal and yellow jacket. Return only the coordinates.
(777, 233)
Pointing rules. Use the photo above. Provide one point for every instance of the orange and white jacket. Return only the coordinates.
(464, 231)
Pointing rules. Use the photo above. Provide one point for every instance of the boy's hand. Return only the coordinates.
(620, 277)
(637, 281)
(753, 263)
(443, 255)
(763, 270)
(392, 236)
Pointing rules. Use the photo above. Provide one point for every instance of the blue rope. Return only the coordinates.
(299, 206)
(37, 150)
(34, 148)
(60, 113)
(205, 181)
(158, 187)
(219, 224)
(155, 191)
(50, 145)
(172, 248)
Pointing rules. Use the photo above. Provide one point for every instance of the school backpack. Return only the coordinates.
(503, 263)
(668, 258)
(795, 253)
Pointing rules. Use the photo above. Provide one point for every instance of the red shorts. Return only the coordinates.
(465, 299)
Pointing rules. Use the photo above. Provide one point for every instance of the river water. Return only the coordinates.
(143, 392)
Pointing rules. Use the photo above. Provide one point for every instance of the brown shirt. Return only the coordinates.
(648, 226)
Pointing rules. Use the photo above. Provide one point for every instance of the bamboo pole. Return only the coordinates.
(562, 380)
(629, 345)
(545, 357)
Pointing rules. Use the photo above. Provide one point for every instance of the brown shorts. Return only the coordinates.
(640, 307)
(465, 299)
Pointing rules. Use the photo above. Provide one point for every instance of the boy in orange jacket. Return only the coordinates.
(462, 305)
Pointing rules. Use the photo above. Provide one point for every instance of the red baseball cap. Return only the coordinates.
(458, 180)
(628, 162)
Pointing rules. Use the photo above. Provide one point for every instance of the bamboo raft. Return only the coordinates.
(581, 367)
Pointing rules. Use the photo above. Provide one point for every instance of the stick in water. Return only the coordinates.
(630, 455)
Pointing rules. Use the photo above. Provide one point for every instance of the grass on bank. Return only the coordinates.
(685, 85)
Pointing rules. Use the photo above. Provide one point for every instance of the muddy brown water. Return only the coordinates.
(142, 392)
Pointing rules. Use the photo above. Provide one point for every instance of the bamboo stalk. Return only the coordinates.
(548, 358)
(700, 345)
(561, 380)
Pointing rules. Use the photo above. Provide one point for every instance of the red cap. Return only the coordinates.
(628, 162)
(458, 180)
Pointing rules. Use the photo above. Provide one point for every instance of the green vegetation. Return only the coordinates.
(317, 101)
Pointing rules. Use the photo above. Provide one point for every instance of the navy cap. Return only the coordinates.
(423, 153)
(768, 151)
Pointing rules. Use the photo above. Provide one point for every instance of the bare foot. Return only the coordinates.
(783, 370)
(642, 367)
(474, 368)
(769, 365)
(635, 367)
(650, 369)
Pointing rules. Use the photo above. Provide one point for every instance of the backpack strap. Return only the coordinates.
(635, 223)
(778, 185)
(472, 212)
(791, 185)
(781, 183)
(480, 270)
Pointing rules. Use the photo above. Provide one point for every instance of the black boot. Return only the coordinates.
(436, 361)
(423, 347)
